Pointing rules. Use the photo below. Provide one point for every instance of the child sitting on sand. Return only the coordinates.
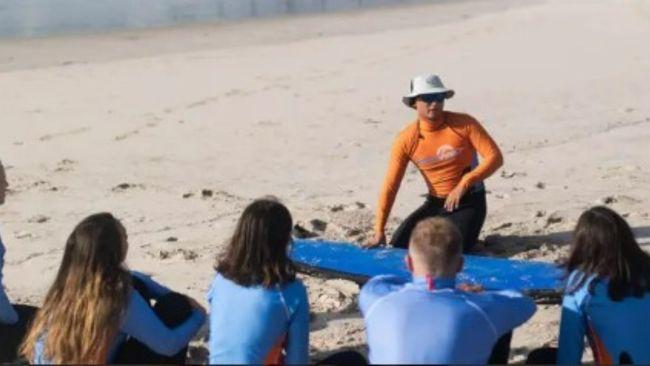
(429, 320)
(258, 309)
(96, 310)
(13, 319)
(607, 297)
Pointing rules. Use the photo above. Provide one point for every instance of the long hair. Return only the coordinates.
(257, 252)
(604, 245)
(83, 309)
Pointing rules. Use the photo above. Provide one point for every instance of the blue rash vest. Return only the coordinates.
(7, 313)
(142, 323)
(251, 325)
(407, 322)
(617, 331)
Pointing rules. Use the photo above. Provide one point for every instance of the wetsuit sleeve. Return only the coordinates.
(144, 325)
(513, 310)
(7, 313)
(572, 332)
(213, 345)
(489, 151)
(154, 288)
(377, 288)
(297, 348)
(396, 167)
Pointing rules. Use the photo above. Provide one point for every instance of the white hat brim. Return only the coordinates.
(408, 99)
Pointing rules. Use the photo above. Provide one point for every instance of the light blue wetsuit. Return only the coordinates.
(615, 329)
(7, 313)
(141, 323)
(247, 324)
(406, 322)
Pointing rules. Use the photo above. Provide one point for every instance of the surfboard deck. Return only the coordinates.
(328, 259)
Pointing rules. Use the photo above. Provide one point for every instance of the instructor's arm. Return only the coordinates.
(397, 165)
(492, 160)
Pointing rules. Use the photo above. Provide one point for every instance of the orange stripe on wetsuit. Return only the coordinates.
(601, 356)
(275, 355)
(443, 154)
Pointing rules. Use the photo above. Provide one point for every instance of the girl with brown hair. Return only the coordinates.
(95, 311)
(259, 312)
(607, 296)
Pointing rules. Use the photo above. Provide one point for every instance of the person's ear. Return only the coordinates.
(409, 262)
(461, 263)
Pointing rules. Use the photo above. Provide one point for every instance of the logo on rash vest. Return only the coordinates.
(444, 153)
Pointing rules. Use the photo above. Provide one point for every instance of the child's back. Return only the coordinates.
(250, 324)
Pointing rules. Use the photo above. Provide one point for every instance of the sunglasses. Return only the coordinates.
(430, 98)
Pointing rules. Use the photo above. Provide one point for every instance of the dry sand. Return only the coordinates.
(141, 122)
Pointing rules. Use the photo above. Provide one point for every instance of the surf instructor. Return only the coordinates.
(443, 145)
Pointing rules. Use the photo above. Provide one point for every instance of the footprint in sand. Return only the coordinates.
(151, 124)
(226, 197)
(23, 235)
(553, 218)
(126, 135)
(235, 92)
(608, 200)
(620, 199)
(371, 121)
(123, 187)
(350, 207)
(76, 131)
(216, 98)
(40, 185)
(185, 254)
(38, 219)
(267, 123)
(201, 102)
(508, 174)
(300, 232)
(502, 226)
(65, 165)
(318, 225)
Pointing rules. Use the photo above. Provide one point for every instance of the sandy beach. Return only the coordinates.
(175, 130)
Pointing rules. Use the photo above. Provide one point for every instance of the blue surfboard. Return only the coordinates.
(328, 259)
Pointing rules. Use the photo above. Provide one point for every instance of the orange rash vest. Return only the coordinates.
(442, 154)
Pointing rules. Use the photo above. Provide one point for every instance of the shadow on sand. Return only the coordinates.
(510, 245)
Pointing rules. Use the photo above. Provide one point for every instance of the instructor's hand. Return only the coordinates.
(453, 199)
(377, 240)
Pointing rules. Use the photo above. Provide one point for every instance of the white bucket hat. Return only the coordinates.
(426, 84)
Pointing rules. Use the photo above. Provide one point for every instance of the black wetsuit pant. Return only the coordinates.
(173, 310)
(468, 217)
(548, 356)
(12, 335)
(344, 358)
(499, 356)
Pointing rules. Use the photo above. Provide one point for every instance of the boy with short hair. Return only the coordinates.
(430, 320)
